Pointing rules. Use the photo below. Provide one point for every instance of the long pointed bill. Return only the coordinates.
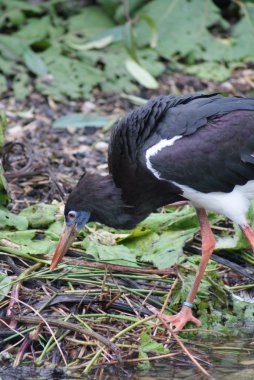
(67, 238)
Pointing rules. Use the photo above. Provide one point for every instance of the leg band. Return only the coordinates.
(188, 304)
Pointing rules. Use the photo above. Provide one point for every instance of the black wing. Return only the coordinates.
(168, 116)
(132, 133)
(214, 158)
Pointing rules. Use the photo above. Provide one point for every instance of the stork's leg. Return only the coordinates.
(249, 233)
(208, 242)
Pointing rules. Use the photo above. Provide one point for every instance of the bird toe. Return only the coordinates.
(179, 320)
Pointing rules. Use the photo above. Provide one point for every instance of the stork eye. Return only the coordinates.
(72, 215)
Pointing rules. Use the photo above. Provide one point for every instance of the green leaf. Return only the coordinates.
(116, 33)
(95, 44)
(183, 26)
(61, 67)
(148, 345)
(23, 5)
(174, 220)
(26, 244)
(16, 17)
(13, 45)
(145, 365)
(34, 63)
(133, 6)
(40, 214)
(55, 230)
(5, 285)
(164, 250)
(21, 86)
(35, 30)
(3, 125)
(9, 219)
(149, 59)
(116, 254)
(152, 25)
(210, 71)
(237, 241)
(3, 84)
(109, 6)
(243, 35)
(141, 75)
(79, 121)
(115, 76)
(4, 197)
(91, 21)
(7, 65)
(130, 41)
(137, 100)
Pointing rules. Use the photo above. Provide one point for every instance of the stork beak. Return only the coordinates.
(67, 238)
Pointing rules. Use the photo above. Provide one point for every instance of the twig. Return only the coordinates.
(134, 360)
(120, 268)
(65, 325)
(30, 158)
(41, 319)
(12, 303)
(203, 370)
(26, 344)
(169, 295)
(15, 292)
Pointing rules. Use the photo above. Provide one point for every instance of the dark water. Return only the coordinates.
(223, 358)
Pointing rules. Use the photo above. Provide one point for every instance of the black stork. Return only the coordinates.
(195, 147)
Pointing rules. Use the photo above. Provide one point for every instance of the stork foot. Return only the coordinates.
(180, 319)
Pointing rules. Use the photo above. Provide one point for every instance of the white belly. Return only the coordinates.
(233, 205)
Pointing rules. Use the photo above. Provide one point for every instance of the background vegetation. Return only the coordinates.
(117, 45)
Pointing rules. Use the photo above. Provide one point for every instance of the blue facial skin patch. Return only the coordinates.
(82, 217)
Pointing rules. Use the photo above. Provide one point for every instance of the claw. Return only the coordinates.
(180, 319)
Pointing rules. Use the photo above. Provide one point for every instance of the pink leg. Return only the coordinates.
(249, 233)
(208, 242)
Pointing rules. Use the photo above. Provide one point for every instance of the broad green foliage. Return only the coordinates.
(90, 21)
(236, 241)
(116, 254)
(8, 219)
(3, 84)
(68, 51)
(24, 242)
(141, 75)
(17, 238)
(182, 25)
(34, 63)
(80, 121)
(210, 70)
(40, 214)
(148, 345)
(184, 29)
